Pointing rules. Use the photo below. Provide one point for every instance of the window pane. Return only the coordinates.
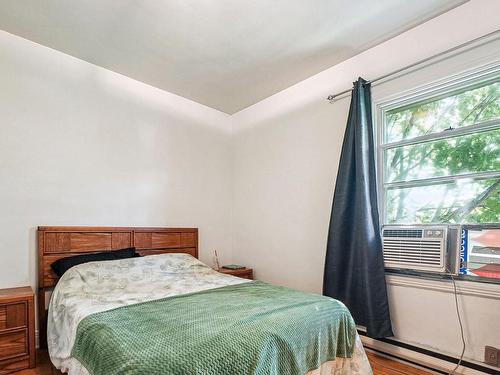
(457, 110)
(462, 201)
(470, 153)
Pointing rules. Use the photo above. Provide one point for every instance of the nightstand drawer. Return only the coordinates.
(8, 367)
(17, 329)
(13, 344)
(12, 316)
(245, 273)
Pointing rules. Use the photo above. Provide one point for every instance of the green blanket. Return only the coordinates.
(249, 328)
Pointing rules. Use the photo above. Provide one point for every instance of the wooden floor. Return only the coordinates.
(380, 366)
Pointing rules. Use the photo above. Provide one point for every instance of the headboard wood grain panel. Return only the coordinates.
(62, 241)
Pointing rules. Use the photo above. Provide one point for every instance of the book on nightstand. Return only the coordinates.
(233, 267)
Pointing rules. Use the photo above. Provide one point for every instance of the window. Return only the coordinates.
(441, 158)
(438, 162)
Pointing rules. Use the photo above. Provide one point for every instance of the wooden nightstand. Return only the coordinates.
(17, 329)
(246, 273)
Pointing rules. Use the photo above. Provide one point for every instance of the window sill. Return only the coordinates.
(441, 283)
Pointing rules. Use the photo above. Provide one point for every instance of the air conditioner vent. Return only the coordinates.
(412, 233)
(421, 249)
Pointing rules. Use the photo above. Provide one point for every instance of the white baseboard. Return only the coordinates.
(423, 359)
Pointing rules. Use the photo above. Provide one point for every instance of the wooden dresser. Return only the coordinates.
(246, 273)
(17, 330)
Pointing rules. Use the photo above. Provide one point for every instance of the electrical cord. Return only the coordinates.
(460, 323)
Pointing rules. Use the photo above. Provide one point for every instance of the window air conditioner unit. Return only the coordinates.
(427, 248)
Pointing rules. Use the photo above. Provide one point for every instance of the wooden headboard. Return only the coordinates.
(59, 242)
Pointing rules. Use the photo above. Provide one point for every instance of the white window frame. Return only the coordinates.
(445, 87)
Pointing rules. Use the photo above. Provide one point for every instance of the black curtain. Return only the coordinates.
(354, 265)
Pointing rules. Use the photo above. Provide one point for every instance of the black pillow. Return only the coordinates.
(60, 266)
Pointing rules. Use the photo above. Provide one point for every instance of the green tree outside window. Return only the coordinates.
(472, 200)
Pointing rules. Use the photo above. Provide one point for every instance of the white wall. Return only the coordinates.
(286, 153)
(80, 145)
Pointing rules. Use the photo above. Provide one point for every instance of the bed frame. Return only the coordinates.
(59, 242)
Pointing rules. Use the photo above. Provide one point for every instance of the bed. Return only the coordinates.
(168, 313)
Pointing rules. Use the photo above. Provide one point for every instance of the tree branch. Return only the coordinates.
(461, 213)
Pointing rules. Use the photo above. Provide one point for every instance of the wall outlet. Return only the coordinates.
(491, 356)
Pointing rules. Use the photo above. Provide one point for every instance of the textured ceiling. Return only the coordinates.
(226, 54)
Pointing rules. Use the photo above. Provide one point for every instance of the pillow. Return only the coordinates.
(60, 266)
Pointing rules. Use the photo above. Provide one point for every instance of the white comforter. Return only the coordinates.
(99, 286)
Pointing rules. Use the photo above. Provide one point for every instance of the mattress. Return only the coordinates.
(87, 290)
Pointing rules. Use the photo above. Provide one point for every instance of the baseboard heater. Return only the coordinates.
(430, 353)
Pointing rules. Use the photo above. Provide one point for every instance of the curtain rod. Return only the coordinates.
(342, 94)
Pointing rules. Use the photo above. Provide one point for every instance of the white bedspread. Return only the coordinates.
(99, 286)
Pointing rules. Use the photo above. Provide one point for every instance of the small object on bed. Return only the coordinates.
(60, 266)
(233, 267)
